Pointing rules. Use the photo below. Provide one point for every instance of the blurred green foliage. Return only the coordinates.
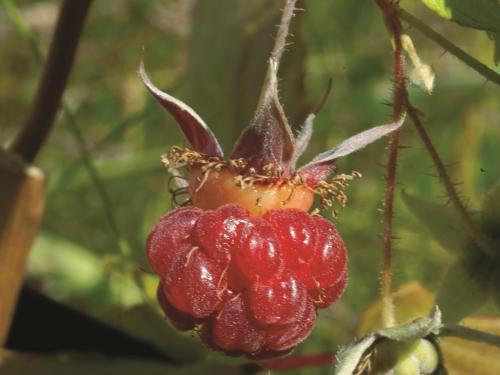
(212, 54)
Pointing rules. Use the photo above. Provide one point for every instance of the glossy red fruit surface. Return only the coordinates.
(280, 299)
(249, 285)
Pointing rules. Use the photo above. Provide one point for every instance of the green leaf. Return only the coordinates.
(478, 14)
(442, 221)
(464, 289)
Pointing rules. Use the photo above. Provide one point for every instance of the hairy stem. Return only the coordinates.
(459, 53)
(475, 231)
(55, 76)
(280, 41)
(470, 334)
(389, 10)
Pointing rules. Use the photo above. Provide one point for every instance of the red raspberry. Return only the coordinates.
(259, 254)
(250, 270)
(324, 297)
(329, 261)
(295, 229)
(284, 337)
(280, 299)
(180, 320)
(170, 237)
(196, 286)
(234, 327)
(218, 232)
(252, 285)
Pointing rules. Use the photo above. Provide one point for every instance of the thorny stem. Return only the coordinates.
(459, 53)
(470, 334)
(55, 76)
(475, 231)
(280, 41)
(389, 10)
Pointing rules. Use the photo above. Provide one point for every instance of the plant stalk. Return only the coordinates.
(389, 10)
(60, 59)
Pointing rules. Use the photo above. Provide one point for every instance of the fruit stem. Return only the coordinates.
(280, 41)
(390, 12)
(40, 120)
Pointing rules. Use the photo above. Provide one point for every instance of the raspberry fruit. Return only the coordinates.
(243, 262)
(228, 277)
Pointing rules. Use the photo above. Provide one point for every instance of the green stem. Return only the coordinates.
(459, 53)
(470, 334)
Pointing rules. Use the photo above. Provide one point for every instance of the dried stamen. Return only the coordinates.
(330, 191)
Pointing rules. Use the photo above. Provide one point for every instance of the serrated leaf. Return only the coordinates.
(478, 14)
(463, 291)
(442, 221)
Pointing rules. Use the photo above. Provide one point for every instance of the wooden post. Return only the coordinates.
(22, 195)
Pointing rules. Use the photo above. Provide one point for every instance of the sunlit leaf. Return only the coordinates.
(479, 14)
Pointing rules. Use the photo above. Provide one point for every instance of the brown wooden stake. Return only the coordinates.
(22, 195)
